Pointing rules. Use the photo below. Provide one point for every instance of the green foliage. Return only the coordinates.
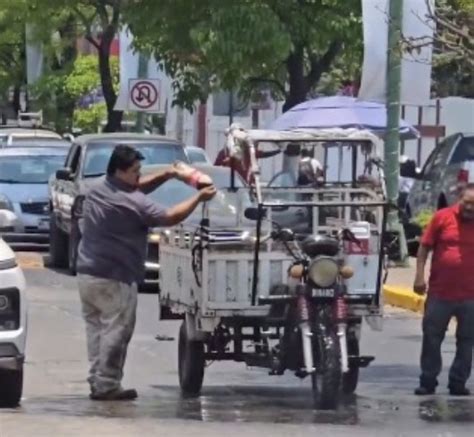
(227, 44)
(453, 60)
(85, 77)
(12, 30)
(89, 119)
(98, 21)
(70, 86)
(423, 218)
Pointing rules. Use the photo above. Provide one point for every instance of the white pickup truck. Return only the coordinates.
(13, 310)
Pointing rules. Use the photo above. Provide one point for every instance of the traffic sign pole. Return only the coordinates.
(142, 73)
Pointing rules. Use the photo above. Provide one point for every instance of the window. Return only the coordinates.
(98, 155)
(464, 151)
(197, 156)
(34, 169)
(440, 154)
(283, 180)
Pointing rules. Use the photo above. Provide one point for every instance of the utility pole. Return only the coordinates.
(142, 74)
(392, 139)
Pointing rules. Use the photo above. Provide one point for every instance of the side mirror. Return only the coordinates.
(63, 174)
(255, 214)
(409, 170)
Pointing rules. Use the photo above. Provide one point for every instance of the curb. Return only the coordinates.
(403, 298)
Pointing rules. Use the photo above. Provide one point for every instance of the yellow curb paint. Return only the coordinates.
(30, 260)
(404, 298)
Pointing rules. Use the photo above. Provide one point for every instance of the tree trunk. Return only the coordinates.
(298, 88)
(301, 84)
(114, 118)
(16, 99)
(65, 104)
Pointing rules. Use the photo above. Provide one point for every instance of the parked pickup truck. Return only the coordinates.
(438, 184)
(87, 160)
(450, 165)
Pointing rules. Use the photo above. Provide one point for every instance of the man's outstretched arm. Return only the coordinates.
(151, 182)
(269, 154)
(154, 215)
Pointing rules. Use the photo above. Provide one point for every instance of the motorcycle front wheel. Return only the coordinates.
(326, 380)
(351, 378)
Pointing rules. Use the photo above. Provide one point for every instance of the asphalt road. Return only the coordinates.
(235, 401)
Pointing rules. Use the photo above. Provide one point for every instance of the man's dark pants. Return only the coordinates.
(436, 319)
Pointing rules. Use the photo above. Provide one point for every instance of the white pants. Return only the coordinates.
(109, 310)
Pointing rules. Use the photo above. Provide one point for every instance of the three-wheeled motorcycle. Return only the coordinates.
(287, 284)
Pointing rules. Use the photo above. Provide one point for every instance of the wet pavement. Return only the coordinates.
(235, 401)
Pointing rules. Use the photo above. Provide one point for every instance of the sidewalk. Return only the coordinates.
(398, 290)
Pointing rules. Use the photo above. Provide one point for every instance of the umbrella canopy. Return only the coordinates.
(340, 111)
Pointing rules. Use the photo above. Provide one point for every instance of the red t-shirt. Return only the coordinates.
(452, 266)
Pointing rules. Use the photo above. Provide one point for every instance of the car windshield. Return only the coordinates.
(223, 205)
(283, 180)
(29, 169)
(221, 177)
(196, 156)
(98, 155)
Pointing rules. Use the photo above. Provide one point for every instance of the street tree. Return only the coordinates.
(452, 22)
(98, 21)
(283, 45)
(12, 51)
(81, 87)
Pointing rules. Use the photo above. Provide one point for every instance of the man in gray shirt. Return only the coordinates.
(111, 257)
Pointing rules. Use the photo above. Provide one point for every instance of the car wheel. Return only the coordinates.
(58, 245)
(11, 383)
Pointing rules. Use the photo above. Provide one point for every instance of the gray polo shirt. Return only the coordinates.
(114, 231)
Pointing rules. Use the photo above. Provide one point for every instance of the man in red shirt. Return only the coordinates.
(450, 236)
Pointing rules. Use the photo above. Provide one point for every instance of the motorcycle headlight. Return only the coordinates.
(323, 272)
(5, 203)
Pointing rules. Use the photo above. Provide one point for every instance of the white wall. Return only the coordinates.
(456, 114)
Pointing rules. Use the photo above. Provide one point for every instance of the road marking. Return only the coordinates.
(30, 260)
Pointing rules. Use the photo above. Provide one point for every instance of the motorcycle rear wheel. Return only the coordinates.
(326, 380)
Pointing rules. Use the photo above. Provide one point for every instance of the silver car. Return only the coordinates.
(24, 176)
(197, 155)
(450, 165)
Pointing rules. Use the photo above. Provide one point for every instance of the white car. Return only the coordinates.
(12, 136)
(13, 310)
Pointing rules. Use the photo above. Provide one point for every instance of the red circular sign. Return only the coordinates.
(144, 94)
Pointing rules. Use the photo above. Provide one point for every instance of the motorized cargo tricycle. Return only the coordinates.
(287, 286)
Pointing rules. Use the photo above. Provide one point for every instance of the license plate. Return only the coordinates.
(43, 224)
(323, 292)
